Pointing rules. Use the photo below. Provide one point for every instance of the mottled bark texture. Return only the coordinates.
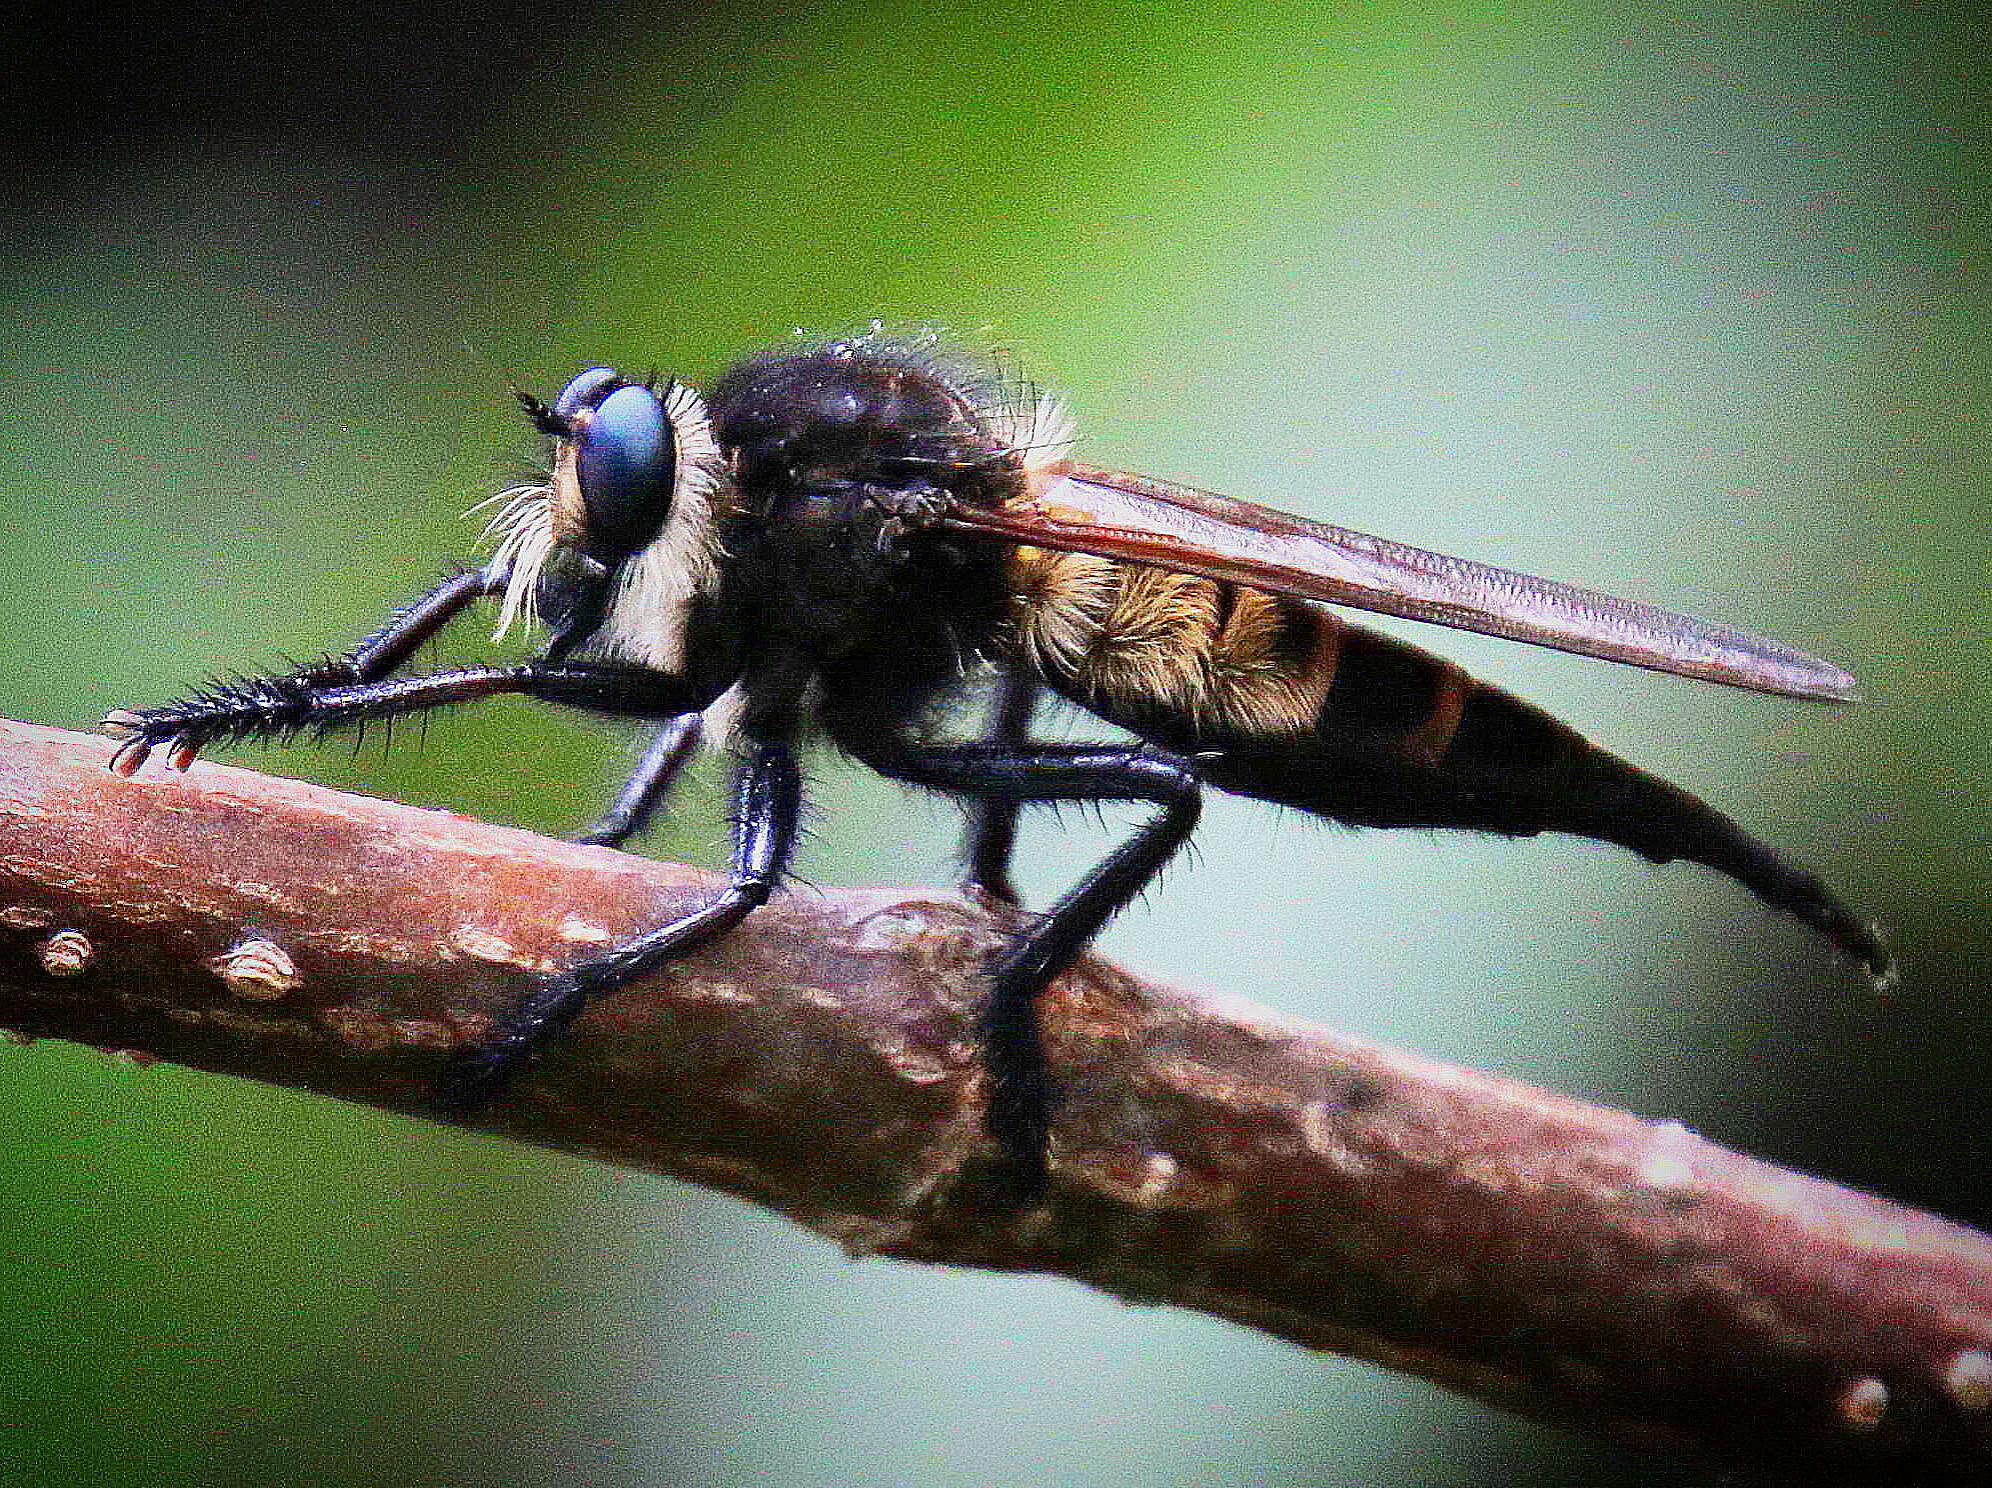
(1568, 1262)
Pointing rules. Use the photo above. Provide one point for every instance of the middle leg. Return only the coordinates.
(768, 806)
(670, 749)
(991, 837)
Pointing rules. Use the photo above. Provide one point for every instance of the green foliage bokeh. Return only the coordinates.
(1682, 303)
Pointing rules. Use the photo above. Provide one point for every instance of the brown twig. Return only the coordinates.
(1568, 1262)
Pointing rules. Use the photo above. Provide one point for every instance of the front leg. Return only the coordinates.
(283, 707)
(378, 656)
(767, 807)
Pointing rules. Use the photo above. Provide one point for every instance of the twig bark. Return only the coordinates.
(1564, 1261)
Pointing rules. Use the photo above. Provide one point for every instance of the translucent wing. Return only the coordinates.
(1130, 517)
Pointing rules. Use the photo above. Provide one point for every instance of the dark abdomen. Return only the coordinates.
(1283, 701)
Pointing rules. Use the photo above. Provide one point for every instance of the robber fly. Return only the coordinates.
(839, 538)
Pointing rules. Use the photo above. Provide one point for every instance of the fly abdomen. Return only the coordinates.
(1216, 666)
(1126, 640)
(1592, 793)
(1281, 700)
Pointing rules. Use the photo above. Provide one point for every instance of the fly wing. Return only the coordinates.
(1130, 517)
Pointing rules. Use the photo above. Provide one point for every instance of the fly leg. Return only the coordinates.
(413, 625)
(767, 807)
(670, 749)
(283, 707)
(1021, 1087)
(374, 658)
(992, 822)
(769, 800)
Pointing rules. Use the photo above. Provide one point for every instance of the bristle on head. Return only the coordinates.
(532, 519)
(523, 527)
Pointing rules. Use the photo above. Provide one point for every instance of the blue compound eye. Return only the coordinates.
(625, 459)
(584, 391)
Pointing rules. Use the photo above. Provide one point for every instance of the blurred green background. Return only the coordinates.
(1687, 303)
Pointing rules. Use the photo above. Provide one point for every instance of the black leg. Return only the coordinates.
(376, 657)
(281, 707)
(1021, 1089)
(768, 804)
(670, 749)
(992, 823)
(413, 625)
